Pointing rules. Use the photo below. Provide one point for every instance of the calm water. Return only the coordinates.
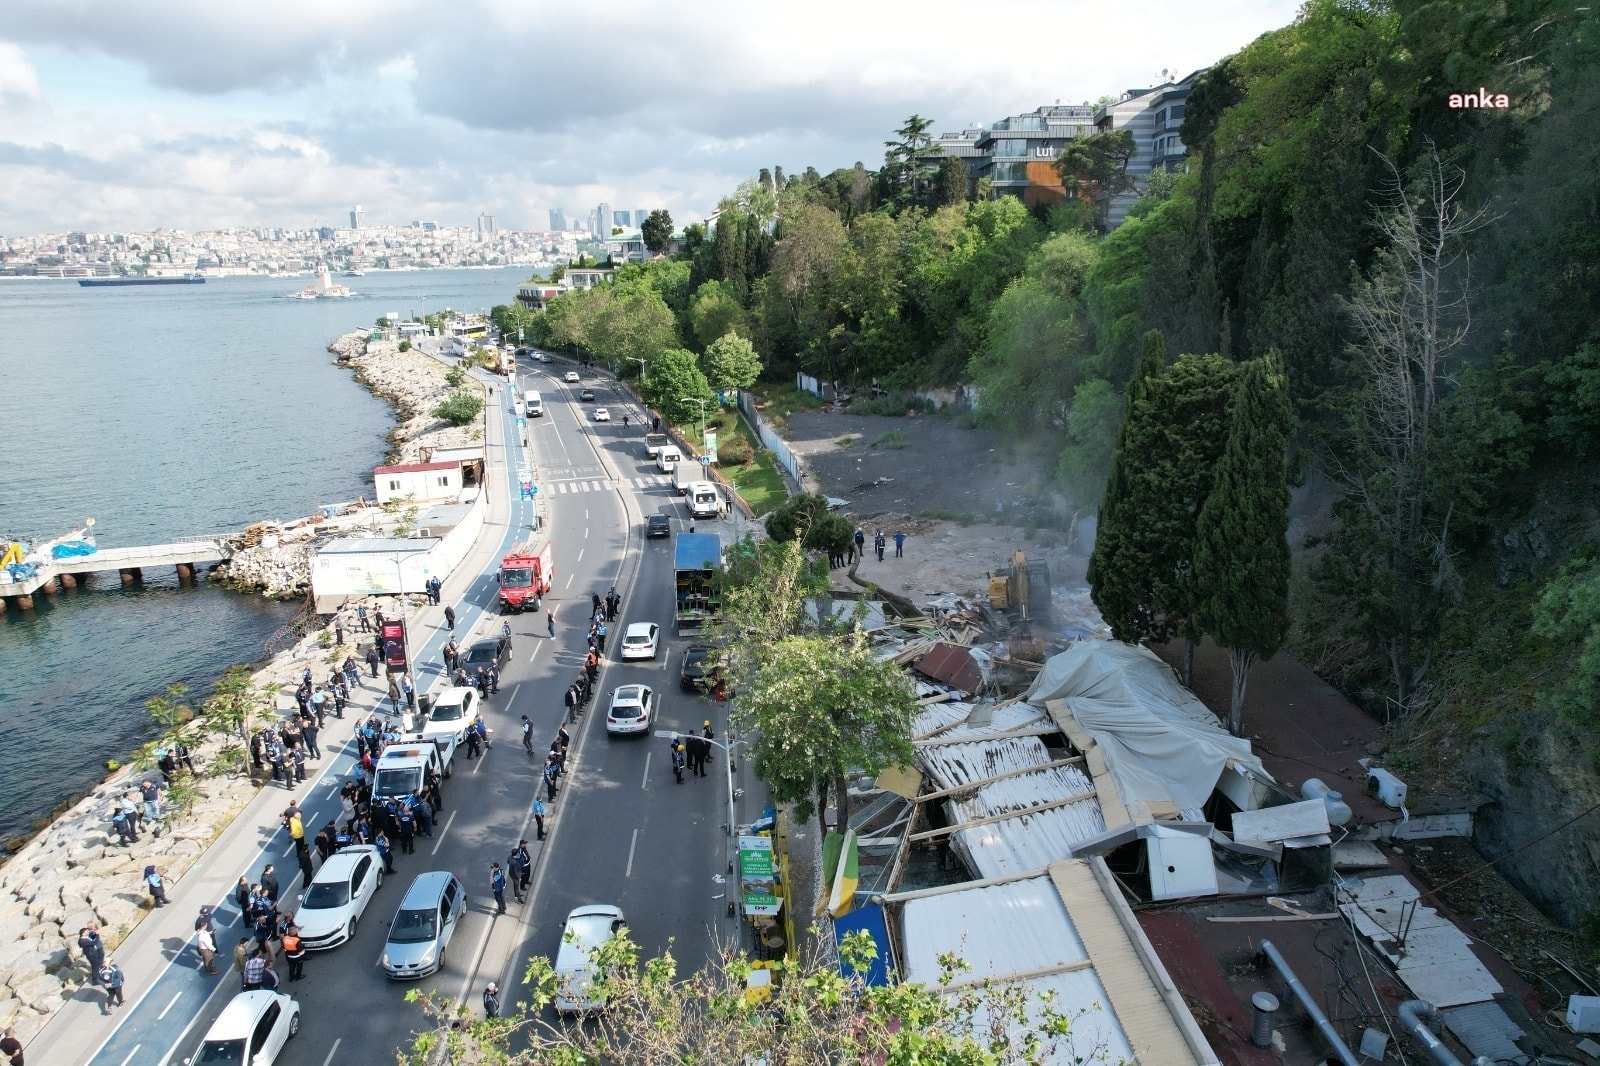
(166, 411)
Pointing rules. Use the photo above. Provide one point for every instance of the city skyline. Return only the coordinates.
(209, 117)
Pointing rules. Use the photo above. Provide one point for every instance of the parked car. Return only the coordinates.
(588, 927)
(486, 651)
(571, 375)
(633, 708)
(586, 395)
(639, 641)
(602, 415)
(250, 1031)
(422, 927)
(453, 709)
(338, 896)
(701, 665)
(657, 525)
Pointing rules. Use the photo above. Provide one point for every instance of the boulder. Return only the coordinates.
(40, 992)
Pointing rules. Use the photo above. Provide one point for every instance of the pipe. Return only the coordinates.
(1415, 1014)
(1329, 1033)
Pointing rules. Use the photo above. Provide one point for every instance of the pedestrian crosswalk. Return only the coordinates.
(605, 484)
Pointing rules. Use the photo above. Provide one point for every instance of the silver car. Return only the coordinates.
(423, 926)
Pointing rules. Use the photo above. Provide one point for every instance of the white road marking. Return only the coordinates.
(569, 580)
(168, 1007)
(332, 1051)
(131, 1054)
(631, 846)
(646, 782)
(448, 822)
(580, 552)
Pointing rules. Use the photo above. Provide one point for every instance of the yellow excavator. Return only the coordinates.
(1022, 588)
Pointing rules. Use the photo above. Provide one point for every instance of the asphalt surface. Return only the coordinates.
(622, 831)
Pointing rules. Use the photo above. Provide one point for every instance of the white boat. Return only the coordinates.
(321, 289)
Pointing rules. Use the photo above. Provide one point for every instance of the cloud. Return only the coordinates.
(19, 82)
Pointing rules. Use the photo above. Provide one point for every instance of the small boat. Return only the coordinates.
(104, 283)
(354, 274)
(322, 289)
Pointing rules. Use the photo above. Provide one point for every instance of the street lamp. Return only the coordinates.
(702, 404)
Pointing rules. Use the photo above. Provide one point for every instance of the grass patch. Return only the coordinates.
(959, 517)
(892, 439)
(758, 480)
(778, 400)
(892, 404)
(847, 442)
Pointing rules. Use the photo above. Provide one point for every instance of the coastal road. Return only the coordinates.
(623, 831)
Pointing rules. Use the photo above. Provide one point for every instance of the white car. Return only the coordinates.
(602, 415)
(338, 896)
(587, 928)
(544, 357)
(571, 375)
(250, 1031)
(453, 711)
(639, 641)
(633, 708)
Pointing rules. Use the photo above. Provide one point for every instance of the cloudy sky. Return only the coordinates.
(211, 113)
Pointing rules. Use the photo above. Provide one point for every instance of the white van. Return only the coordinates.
(704, 500)
(532, 403)
(587, 928)
(667, 458)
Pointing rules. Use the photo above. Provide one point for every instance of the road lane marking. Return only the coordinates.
(448, 822)
(168, 1007)
(569, 580)
(580, 550)
(131, 1054)
(332, 1051)
(645, 781)
(631, 846)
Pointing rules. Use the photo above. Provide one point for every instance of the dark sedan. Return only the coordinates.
(484, 652)
(658, 525)
(701, 663)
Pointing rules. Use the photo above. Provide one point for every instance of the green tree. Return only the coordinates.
(635, 324)
(1092, 424)
(1568, 613)
(234, 707)
(820, 1011)
(805, 517)
(1241, 553)
(819, 709)
(950, 184)
(910, 166)
(657, 231)
(731, 362)
(714, 312)
(675, 374)
(1095, 168)
(460, 408)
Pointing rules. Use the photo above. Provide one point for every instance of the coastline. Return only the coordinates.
(69, 873)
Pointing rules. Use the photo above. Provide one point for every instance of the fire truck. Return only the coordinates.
(525, 575)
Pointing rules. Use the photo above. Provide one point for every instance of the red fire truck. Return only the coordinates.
(525, 575)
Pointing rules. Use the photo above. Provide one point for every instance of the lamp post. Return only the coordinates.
(702, 403)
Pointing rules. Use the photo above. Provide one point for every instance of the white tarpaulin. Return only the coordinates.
(1160, 742)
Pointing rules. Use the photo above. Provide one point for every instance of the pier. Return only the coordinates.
(22, 576)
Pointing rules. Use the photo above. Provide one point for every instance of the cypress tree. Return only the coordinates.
(1241, 556)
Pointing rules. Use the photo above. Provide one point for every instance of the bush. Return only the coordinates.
(455, 377)
(892, 404)
(405, 346)
(462, 408)
(892, 439)
(735, 452)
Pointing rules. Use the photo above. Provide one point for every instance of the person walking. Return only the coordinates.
(497, 885)
(372, 660)
(491, 1000)
(474, 749)
(450, 617)
(550, 623)
(677, 760)
(527, 735)
(338, 630)
(94, 950)
(294, 952)
(899, 545)
(111, 977)
(255, 971)
(157, 886)
(205, 945)
(538, 815)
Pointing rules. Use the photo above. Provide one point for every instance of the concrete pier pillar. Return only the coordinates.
(185, 573)
(131, 574)
(21, 603)
(48, 588)
(68, 581)
(82, 579)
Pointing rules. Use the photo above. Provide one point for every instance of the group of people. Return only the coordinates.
(273, 933)
(283, 748)
(136, 809)
(858, 546)
(692, 752)
(103, 970)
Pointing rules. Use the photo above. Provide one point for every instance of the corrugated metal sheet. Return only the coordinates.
(1436, 961)
(948, 719)
(951, 765)
(1487, 1030)
(953, 665)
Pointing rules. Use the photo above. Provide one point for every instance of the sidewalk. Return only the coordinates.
(163, 973)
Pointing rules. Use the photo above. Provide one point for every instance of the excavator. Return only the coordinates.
(1022, 588)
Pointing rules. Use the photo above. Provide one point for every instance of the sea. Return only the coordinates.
(164, 412)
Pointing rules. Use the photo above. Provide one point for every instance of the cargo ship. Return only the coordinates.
(96, 283)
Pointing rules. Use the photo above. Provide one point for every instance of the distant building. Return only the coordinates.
(420, 482)
(603, 221)
(1154, 117)
(594, 225)
(1017, 154)
(485, 226)
(623, 219)
(358, 217)
(586, 277)
(558, 219)
(538, 297)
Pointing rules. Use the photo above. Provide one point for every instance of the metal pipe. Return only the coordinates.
(1329, 1033)
(1415, 1014)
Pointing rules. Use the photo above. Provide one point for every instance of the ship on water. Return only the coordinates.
(130, 279)
(323, 288)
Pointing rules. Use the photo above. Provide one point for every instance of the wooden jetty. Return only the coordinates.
(23, 576)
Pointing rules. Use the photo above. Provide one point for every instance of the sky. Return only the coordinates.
(209, 114)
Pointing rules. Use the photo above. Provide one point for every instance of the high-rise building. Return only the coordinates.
(358, 217)
(639, 215)
(622, 218)
(558, 219)
(594, 223)
(485, 226)
(603, 221)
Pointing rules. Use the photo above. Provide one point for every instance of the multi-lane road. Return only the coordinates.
(622, 831)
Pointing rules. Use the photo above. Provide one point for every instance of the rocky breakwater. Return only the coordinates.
(275, 557)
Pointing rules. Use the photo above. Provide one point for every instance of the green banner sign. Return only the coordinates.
(755, 858)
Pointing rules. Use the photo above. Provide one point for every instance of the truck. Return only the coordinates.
(402, 769)
(697, 580)
(704, 500)
(525, 575)
(685, 473)
(653, 443)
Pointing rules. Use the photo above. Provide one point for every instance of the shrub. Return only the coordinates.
(405, 346)
(462, 408)
(892, 439)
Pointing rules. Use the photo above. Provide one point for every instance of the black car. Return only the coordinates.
(486, 651)
(701, 663)
(586, 394)
(658, 525)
